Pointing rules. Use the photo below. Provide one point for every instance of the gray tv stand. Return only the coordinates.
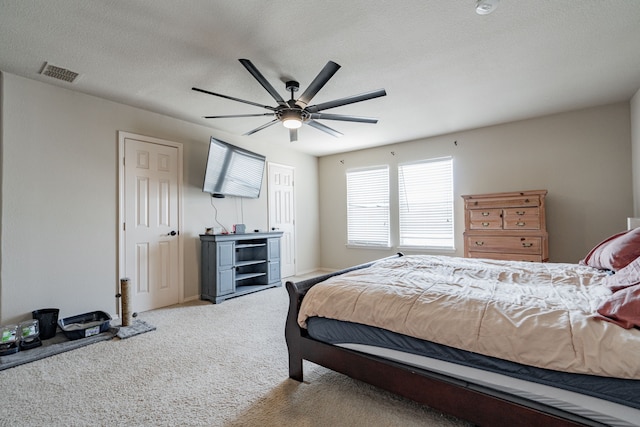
(238, 264)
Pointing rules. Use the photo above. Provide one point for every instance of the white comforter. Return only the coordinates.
(538, 314)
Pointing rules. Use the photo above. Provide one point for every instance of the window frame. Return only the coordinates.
(445, 204)
(384, 229)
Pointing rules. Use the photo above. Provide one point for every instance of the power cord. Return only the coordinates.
(215, 217)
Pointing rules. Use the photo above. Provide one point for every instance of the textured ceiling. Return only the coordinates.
(445, 68)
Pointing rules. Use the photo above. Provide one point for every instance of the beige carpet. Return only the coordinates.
(204, 365)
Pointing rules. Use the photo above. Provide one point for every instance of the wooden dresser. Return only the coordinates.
(506, 226)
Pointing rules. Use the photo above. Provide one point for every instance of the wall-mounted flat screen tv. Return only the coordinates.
(233, 171)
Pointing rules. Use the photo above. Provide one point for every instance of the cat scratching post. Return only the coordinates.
(125, 299)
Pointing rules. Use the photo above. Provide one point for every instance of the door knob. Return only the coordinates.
(173, 233)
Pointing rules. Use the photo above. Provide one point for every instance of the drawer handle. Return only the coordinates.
(527, 245)
(520, 213)
(485, 224)
(485, 213)
(479, 243)
(520, 224)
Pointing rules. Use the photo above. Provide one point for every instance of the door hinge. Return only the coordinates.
(124, 226)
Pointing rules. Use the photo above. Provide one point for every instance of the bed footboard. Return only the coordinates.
(293, 332)
(480, 405)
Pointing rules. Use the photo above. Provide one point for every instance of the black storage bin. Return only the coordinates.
(47, 322)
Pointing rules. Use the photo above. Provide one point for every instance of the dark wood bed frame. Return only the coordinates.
(480, 405)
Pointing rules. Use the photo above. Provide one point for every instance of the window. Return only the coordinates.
(425, 192)
(368, 206)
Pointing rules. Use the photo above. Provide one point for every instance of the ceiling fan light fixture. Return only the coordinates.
(291, 119)
(292, 123)
(485, 7)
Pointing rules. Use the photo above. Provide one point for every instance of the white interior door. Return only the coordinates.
(151, 227)
(281, 214)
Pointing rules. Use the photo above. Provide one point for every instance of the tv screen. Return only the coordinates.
(233, 171)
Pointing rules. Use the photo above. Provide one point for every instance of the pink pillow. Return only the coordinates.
(615, 252)
(622, 308)
(625, 277)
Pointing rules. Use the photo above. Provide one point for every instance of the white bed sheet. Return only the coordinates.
(599, 410)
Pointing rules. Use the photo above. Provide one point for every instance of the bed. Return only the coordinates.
(568, 356)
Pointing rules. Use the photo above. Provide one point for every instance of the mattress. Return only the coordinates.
(606, 401)
(537, 314)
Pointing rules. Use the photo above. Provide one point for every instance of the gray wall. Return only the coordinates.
(60, 197)
(635, 151)
(583, 158)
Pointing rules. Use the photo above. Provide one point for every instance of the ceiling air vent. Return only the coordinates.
(59, 73)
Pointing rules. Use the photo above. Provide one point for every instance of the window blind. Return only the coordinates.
(425, 192)
(368, 206)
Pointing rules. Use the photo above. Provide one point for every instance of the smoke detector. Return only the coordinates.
(485, 7)
(59, 73)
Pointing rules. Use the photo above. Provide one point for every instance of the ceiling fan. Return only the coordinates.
(296, 112)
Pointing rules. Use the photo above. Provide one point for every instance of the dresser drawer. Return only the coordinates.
(505, 244)
(488, 203)
(485, 219)
(506, 257)
(522, 219)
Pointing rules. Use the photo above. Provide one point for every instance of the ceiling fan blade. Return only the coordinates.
(324, 128)
(321, 79)
(293, 135)
(344, 118)
(265, 84)
(348, 100)
(234, 99)
(266, 125)
(238, 115)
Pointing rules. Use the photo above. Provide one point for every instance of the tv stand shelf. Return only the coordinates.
(249, 245)
(251, 262)
(238, 264)
(247, 276)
